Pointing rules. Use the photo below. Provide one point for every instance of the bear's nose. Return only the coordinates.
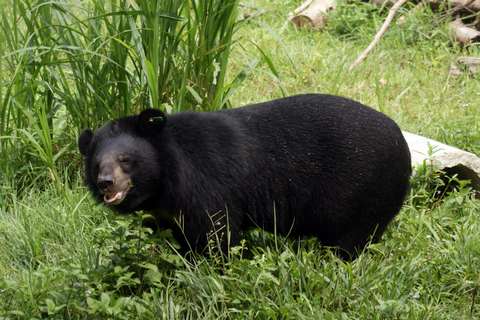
(104, 181)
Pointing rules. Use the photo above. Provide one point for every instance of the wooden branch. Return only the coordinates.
(473, 5)
(391, 13)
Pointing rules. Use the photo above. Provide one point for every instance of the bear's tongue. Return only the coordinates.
(113, 198)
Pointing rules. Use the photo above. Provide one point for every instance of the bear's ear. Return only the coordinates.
(151, 119)
(84, 141)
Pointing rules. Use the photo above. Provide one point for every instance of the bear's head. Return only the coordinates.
(122, 164)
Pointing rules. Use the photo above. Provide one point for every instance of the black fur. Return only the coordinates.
(316, 165)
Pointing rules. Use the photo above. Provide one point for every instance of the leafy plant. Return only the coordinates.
(74, 65)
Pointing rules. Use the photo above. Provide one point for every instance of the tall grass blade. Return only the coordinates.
(80, 64)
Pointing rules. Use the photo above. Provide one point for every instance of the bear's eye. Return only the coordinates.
(123, 159)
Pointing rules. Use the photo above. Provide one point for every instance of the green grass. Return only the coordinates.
(64, 257)
(69, 258)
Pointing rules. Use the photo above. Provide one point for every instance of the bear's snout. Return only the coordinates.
(104, 181)
(113, 182)
(106, 175)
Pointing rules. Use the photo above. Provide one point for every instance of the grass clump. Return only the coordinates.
(71, 65)
(72, 259)
(359, 21)
(355, 20)
(101, 58)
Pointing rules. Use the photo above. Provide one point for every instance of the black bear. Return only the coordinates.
(306, 165)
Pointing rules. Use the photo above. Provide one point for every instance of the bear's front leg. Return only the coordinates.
(213, 231)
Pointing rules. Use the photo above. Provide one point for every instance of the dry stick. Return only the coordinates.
(376, 39)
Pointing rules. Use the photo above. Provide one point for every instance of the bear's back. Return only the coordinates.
(323, 153)
(338, 129)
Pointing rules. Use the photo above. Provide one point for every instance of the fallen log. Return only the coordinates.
(312, 13)
(462, 33)
(445, 158)
(473, 5)
(470, 65)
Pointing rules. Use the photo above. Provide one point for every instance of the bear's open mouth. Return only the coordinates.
(115, 197)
